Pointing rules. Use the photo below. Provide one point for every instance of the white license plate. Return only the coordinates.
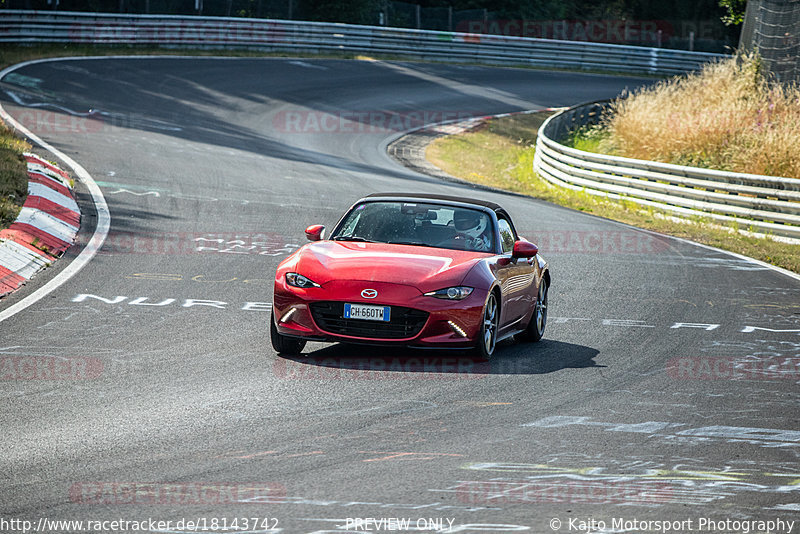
(367, 313)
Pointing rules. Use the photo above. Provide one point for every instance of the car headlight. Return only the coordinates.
(451, 293)
(298, 280)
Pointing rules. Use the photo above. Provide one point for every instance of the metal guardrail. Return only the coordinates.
(766, 204)
(34, 27)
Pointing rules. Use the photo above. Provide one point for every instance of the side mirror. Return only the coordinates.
(314, 232)
(524, 249)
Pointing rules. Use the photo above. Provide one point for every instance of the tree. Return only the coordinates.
(735, 9)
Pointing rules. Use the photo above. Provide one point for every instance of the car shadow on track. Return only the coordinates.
(361, 361)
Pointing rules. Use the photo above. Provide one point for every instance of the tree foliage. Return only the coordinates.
(735, 11)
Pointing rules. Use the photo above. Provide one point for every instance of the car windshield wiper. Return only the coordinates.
(352, 238)
(412, 243)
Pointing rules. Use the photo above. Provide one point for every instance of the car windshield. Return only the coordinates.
(419, 224)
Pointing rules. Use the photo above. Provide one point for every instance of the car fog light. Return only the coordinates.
(457, 329)
(288, 315)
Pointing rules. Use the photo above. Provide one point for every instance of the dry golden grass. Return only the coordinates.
(725, 117)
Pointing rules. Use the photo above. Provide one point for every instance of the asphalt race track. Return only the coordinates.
(665, 390)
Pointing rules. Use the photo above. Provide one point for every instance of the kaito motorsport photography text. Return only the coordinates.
(702, 524)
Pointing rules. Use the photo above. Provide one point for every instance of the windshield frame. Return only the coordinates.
(432, 202)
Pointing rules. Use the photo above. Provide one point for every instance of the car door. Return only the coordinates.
(516, 276)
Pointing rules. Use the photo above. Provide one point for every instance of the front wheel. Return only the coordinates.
(488, 333)
(284, 344)
(535, 329)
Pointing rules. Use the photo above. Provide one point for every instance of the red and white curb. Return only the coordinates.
(46, 226)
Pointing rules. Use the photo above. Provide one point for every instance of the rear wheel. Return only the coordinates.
(284, 344)
(488, 333)
(535, 329)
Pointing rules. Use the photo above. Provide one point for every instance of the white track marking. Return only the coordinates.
(307, 65)
(143, 194)
(734, 254)
(103, 215)
(18, 100)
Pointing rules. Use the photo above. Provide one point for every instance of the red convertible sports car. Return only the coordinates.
(414, 270)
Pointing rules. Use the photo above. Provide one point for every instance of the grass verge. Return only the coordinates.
(13, 176)
(500, 154)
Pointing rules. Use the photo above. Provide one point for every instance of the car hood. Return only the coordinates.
(425, 268)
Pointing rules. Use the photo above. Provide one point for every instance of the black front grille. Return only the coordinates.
(404, 323)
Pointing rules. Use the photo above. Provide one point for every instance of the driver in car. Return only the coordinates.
(472, 228)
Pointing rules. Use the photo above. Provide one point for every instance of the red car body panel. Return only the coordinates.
(400, 274)
(422, 267)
